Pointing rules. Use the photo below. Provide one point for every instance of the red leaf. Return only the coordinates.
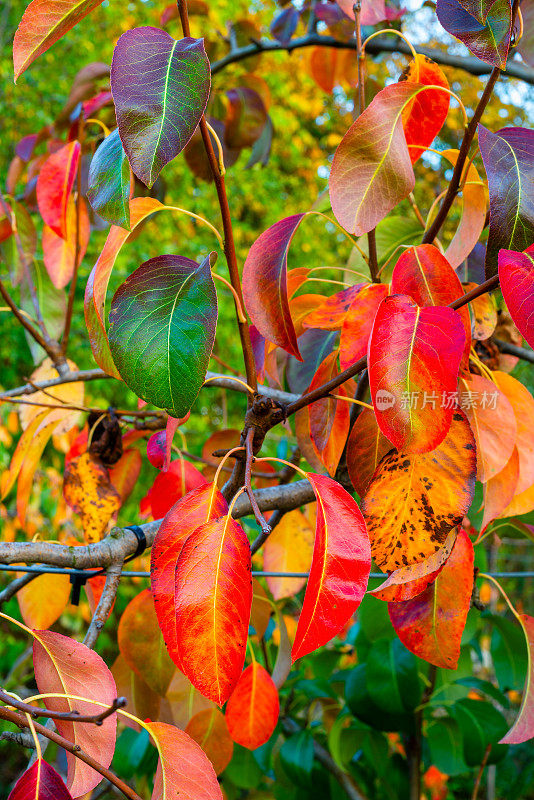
(427, 277)
(213, 601)
(54, 186)
(423, 118)
(358, 323)
(59, 254)
(516, 277)
(523, 727)
(329, 418)
(414, 357)
(65, 666)
(340, 567)
(40, 782)
(199, 506)
(431, 625)
(124, 474)
(265, 284)
(184, 770)
(252, 710)
(332, 312)
(170, 486)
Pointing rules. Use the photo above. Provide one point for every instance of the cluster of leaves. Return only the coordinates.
(441, 415)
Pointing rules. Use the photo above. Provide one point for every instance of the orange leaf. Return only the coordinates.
(431, 625)
(358, 323)
(499, 491)
(184, 770)
(289, 548)
(88, 491)
(522, 403)
(209, 729)
(213, 601)
(42, 601)
(59, 253)
(65, 666)
(414, 500)
(484, 403)
(184, 701)
(473, 216)
(199, 506)
(329, 418)
(366, 447)
(483, 314)
(141, 643)
(142, 700)
(124, 474)
(31, 461)
(252, 710)
(332, 312)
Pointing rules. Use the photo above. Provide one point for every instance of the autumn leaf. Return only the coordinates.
(365, 449)
(253, 708)
(210, 730)
(414, 500)
(523, 728)
(40, 782)
(42, 601)
(88, 491)
(431, 624)
(54, 185)
(65, 666)
(289, 548)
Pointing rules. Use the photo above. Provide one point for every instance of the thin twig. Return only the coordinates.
(68, 716)
(14, 587)
(260, 519)
(480, 772)
(105, 604)
(21, 721)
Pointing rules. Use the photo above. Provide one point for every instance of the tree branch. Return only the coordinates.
(71, 716)
(105, 604)
(377, 46)
(21, 721)
(514, 350)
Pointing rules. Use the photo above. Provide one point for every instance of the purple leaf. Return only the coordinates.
(484, 26)
(508, 156)
(160, 87)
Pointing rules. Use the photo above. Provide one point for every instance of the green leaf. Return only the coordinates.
(160, 88)
(392, 679)
(109, 181)
(509, 653)
(296, 755)
(445, 741)
(52, 302)
(365, 709)
(481, 725)
(162, 329)
(243, 770)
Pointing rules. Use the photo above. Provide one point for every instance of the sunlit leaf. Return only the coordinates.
(414, 357)
(184, 770)
(516, 278)
(289, 548)
(213, 600)
(43, 23)
(414, 500)
(358, 323)
(265, 284)
(40, 782)
(484, 26)
(340, 567)
(423, 118)
(109, 181)
(331, 313)
(54, 186)
(508, 156)
(253, 708)
(65, 666)
(372, 170)
(431, 625)
(484, 403)
(68, 393)
(523, 728)
(160, 88)
(199, 506)
(522, 404)
(161, 330)
(499, 491)
(426, 276)
(89, 492)
(141, 643)
(209, 729)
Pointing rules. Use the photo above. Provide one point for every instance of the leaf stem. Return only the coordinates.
(229, 244)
